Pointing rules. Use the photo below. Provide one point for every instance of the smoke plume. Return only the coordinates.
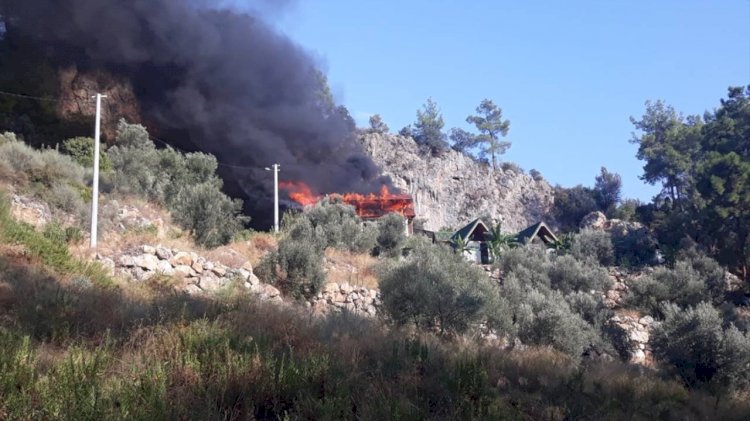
(218, 81)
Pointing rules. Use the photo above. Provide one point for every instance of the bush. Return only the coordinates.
(702, 352)
(211, 216)
(8, 137)
(65, 197)
(81, 149)
(571, 205)
(592, 244)
(437, 289)
(534, 267)
(568, 274)
(186, 184)
(391, 233)
(543, 317)
(296, 267)
(689, 283)
(634, 247)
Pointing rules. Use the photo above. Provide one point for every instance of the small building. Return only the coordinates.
(476, 237)
(538, 233)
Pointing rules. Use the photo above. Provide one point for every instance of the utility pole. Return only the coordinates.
(95, 188)
(275, 168)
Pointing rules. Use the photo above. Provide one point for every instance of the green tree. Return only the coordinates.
(428, 129)
(391, 233)
(500, 242)
(668, 144)
(701, 351)
(211, 216)
(491, 126)
(607, 190)
(438, 289)
(377, 125)
(81, 149)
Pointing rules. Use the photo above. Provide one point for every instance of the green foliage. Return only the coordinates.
(571, 205)
(49, 247)
(187, 184)
(391, 233)
(428, 129)
(437, 289)
(693, 279)
(299, 266)
(704, 169)
(543, 317)
(607, 191)
(593, 244)
(491, 127)
(211, 216)
(701, 351)
(634, 246)
(81, 149)
(499, 242)
(377, 125)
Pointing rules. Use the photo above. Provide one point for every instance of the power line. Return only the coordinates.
(154, 139)
(38, 98)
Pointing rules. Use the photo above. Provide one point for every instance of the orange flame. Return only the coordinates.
(367, 206)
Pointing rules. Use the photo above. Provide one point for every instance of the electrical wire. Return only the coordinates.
(154, 139)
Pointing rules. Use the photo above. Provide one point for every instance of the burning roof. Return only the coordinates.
(367, 206)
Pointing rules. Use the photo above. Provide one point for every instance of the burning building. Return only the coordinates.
(369, 207)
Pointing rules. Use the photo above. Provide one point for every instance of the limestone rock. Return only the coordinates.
(183, 270)
(146, 261)
(452, 189)
(181, 258)
(165, 268)
(148, 249)
(210, 283)
(126, 261)
(163, 253)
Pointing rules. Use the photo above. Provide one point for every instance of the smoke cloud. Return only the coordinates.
(219, 81)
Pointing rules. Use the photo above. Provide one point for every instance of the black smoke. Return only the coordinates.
(220, 81)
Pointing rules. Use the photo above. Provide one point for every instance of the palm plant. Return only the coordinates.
(499, 242)
(460, 245)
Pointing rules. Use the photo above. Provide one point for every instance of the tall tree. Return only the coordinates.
(491, 126)
(428, 129)
(668, 144)
(607, 190)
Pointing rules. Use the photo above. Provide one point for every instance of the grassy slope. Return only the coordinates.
(74, 349)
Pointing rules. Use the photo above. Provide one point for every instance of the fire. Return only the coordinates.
(367, 205)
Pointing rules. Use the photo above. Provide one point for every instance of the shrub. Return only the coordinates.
(568, 274)
(296, 267)
(512, 167)
(132, 135)
(8, 137)
(81, 149)
(634, 247)
(543, 317)
(536, 175)
(572, 204)
(592, 244)
(64, 197)
(391, 233)
(437, 289)
(682, 285)
(702, 352)
(211, 216)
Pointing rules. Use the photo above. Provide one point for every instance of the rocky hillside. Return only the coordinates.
(452, 189)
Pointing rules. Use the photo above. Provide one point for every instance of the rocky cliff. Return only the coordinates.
(452, 189)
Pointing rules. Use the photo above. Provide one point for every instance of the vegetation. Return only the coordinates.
(438, 289)
(187, 184)
(377, 125)
(81, 149)
(428, 129)
(491, 127)
(703, 167)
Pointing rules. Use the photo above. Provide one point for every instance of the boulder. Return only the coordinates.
(197, 267)
(193, 289)
(330, 288)
(163, 253)
(148, 249)
(146, 261)
(181, 258)
(595, 221)
(126, 261)
(165, 268)
(219, 271)
(210, 283)
(183, 270)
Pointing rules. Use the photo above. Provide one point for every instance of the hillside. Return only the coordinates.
(451, 189)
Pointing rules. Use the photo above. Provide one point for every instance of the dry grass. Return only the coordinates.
(356, 269)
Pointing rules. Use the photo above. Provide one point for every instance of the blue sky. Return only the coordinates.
(568, 75)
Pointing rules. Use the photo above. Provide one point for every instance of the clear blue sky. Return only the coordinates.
(568, 75)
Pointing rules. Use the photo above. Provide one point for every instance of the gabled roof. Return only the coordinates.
(539, 229)
(465, 232)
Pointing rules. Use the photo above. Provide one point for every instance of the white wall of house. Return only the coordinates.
(474, 252)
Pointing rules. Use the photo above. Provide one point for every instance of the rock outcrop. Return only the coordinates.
(335, 297)
(452, 189)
